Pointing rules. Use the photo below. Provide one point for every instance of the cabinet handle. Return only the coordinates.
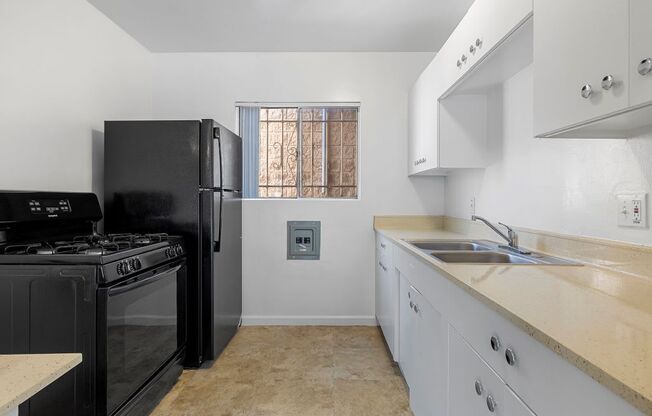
(419, 161)
(463, 58)
(459, 63)
(586, 91)
(382, 245)
(608, 82)
(495, 343)
(510, 356)
(411, 305)
(645, 67)
(416, 308)
(478, 42)
(472, 48)
(491, 403)
(478, 388)
(382, 266)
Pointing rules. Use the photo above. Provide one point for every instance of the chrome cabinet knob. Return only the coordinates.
(491, 403)
(411, 305)
(459, 63)
(478, 388)
(645, 67)
(510, 356)
(382, 245)
(495, 343)
(463, 58)
(586, 90)
(478, 42)
(472, 48)
(416, 308)
(608, 82)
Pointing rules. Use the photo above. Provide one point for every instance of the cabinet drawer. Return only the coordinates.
(424, 278)
(548, 383)
(473, 386)
(384, 249)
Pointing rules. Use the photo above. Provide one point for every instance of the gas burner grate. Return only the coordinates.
(29, 248)
(92, 244)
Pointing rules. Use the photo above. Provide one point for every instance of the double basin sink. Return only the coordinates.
(483, 252)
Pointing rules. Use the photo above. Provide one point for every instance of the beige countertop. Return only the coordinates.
(598, 319)
(24, 375)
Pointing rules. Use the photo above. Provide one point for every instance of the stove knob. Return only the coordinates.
(178, 249)
(134, 263)
(170, 252)
(137, 264)
(120, 270)
(127, 267)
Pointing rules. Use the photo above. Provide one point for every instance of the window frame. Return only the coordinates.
(302, 105)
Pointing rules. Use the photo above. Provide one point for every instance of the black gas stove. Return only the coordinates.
(119, 299)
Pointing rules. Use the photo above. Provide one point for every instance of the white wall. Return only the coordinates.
(64, 69)
(558, 185)
(340, 287)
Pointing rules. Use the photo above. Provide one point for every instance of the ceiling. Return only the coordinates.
(286, 25)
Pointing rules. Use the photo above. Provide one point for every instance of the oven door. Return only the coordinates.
(140, 331)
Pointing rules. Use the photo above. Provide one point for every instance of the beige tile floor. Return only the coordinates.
(294, 371)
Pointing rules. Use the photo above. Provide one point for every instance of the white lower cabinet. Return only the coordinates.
(472, 382)
(387, 294)
(475, 388)
(461, 358)
(424, 352)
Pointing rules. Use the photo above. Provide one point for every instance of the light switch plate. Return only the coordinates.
(632, 210)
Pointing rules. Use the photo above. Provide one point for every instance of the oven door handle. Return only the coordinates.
(126, 287)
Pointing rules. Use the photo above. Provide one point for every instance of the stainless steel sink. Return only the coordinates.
(452, 245)
(483, 252)
(488, 257)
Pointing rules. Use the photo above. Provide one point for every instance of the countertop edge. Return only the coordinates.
(615, 385)
(57, 370)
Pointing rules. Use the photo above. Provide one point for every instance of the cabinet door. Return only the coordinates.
(473, 385)
(386, 304)
(407, 332)
(428, 395)
(422, 122)
(640, 52)
(577, 43)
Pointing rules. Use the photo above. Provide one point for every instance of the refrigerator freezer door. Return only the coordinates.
(227, 159)
(227, 271)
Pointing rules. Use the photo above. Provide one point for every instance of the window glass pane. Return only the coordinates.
(308, 152)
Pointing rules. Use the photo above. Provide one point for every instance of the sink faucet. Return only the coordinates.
(511, 237)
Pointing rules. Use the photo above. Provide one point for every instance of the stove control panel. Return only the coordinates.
(140, 263)
(174, 251)
(52, 207)
(127, 266)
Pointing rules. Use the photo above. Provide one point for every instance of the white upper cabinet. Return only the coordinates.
(447, 122)
(592, 68)
(640, 62)
(422, 125)
(580, 61)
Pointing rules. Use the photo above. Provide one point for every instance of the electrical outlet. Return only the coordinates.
(472, 206)
(632, 210)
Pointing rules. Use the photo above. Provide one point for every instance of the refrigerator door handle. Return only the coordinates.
(217, 222)
(217, 144)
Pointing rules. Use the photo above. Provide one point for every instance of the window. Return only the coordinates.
(300, 151)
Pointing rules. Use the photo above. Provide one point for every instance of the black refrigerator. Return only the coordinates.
(184, 177)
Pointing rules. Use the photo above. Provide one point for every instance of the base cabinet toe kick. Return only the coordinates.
(459, 357)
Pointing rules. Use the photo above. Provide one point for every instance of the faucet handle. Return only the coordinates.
(507, 226)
